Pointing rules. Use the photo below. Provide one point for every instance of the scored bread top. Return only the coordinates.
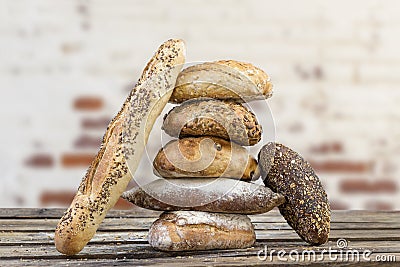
(223, 79)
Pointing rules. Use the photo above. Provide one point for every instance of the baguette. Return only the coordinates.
(121, 149)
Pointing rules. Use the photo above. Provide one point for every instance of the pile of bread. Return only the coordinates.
(206, 186)
(203, 212)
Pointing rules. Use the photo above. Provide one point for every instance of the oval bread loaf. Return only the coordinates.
(205, 157)
(223, 79)
(205, 194)
(307, 208)
(122, 145)
(196, 230)
(224, 119)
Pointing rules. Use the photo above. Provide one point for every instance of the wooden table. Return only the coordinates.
(26, 238)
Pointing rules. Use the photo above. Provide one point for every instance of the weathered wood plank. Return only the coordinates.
(146, 252)
(111, 224)
(337, 216)
(140, 236)
(28, 235)
(190, 261)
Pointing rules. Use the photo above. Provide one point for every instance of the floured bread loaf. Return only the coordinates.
(223, 79)
(123, 144)
(196, 230)
(225, 119)
(205, 194)
(205, 156)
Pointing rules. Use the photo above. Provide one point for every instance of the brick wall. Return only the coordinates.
(67, 66)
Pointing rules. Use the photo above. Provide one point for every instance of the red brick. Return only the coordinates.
(88, 103)
(99, 123)
(324, 148)
(337, 205)
(76, 160)
(123, 204)
(341, 166)
(61, 198)
(371, 187)
(40, 161)
(64, 198)
(86, 141)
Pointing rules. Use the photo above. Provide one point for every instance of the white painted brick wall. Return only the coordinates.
(334, 65)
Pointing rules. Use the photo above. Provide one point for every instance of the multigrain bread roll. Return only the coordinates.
(307, 207)
(206, 157)
(123, 145)
(224, 79)
(205, 194)
(225, 119)
(196, 230)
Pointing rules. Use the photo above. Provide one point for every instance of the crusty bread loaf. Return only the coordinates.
(224, 119)
(307, 208)
(196, 230)
(224, 79)
(205, 194)
(205, 156)
(122, 146)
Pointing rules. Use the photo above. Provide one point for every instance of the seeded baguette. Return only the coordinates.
(205, 194)
(306, 208)
(122, 145)
(225, 119)
(207, 157)
(196, 230)
(223, 79)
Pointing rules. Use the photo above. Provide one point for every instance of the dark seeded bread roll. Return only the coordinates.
(196, 230)
(223, 79)
(205, 194)
(307, 208)
(123, 143)
(207, 157)
(224, 119)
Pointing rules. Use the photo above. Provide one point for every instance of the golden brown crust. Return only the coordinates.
(194, 230)
(205, 156)
(205, 194)
(225, 119)
(123, 145)
(225, 80)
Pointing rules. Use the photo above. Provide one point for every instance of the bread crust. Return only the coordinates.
(225, 119)
(307, 208)
(205, 194)
(205, 157)
(195, 230)
(223, 79)
(122, 146)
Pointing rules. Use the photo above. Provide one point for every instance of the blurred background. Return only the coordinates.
(67, 67)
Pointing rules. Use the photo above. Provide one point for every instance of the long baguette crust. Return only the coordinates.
(123, 145)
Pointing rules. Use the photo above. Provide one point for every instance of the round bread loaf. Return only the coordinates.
(307, 207)
(205, 156)
(122, 146)
(205, 194)
(224, 119)
(196, 230)
(223, 79)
